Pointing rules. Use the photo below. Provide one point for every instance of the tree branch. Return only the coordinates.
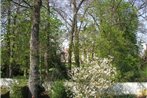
(62, 16)
(27, 3)
(82, 21)
(19, 4)
(80, 5)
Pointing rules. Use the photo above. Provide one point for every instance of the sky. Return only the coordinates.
(142, 34)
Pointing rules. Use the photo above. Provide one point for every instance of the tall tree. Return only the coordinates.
(117, 35)
(47, 54)
(73, 30)
(15, 37)
(34, 50)
(74, 34)
(9, 38)
(9, 41)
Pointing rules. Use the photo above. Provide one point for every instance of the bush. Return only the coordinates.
(4, 92)
(58, 90)
(16, 93)
(4, 89)
(91, 81)
(16, 90)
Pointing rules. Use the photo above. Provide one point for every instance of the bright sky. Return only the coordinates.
(143, 36)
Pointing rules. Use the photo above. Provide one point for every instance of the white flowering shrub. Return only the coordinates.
(93, 80)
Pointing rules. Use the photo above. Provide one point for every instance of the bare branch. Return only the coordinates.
(79, 5)
(19, 4)
(94, 19)
(27, 3)
(82, 21)
(62, 16)
(141, 6)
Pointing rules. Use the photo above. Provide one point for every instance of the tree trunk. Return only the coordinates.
(47, 55)
(13, 45)
(73, 30)
(76, 42)
(9, 41)
(70, 50)
(34, 80)
(76, 49)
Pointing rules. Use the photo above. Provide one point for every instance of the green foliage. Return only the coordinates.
(58, 90)
(117, 36)
(19, 36)
(16, 90)
(16, 42)
(49, 37)
(143, 73)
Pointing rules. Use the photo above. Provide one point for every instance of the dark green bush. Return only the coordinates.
(16, 90)
(58, 90)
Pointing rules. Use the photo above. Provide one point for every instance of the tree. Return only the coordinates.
(15, 39)
(71, 21)
(19, 38)
(34, 50)
(75, 32)
(9, 39)
(47, 54)
(118, 24)
(8, 36)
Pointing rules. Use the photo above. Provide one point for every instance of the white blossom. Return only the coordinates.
(91, 81)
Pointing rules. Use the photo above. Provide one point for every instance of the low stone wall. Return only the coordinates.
(24, 90)
(7, 82)
(133, 88)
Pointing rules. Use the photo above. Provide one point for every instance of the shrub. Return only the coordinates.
(16, 93)
(4, 92)
(16, 89)
(92, 81)
(58, 90)
(4, 89)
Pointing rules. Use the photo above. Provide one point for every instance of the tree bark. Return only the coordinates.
(47, 55)
(70, 49)
(76, 32)
(73, 30)
(76, 47)
(9, 41)
(74, 35)
(34, 80)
